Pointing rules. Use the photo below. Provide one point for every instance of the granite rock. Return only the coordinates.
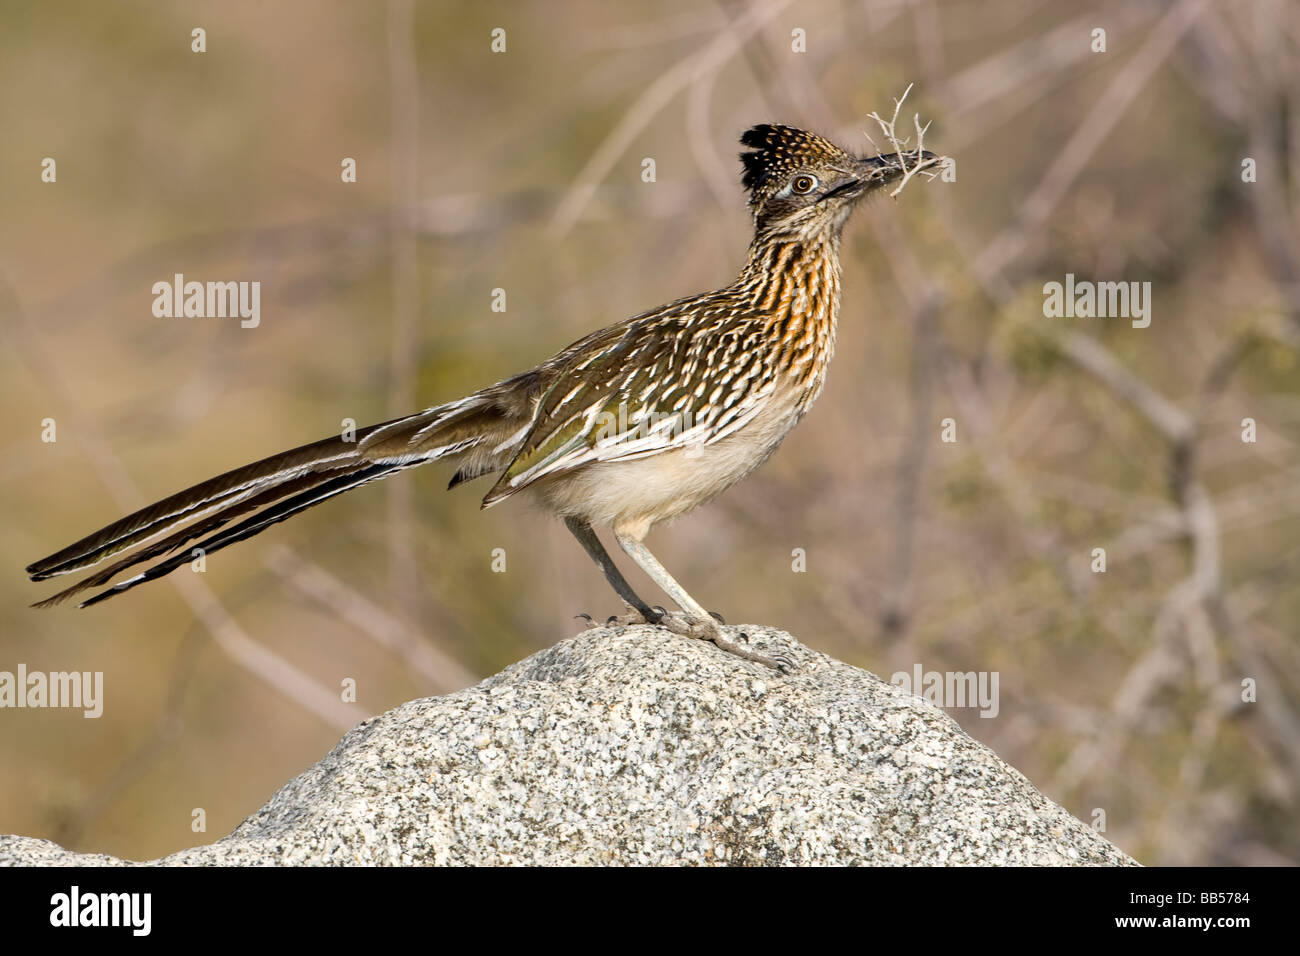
(630, 745)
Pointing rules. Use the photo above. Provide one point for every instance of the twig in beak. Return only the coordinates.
(888, 128)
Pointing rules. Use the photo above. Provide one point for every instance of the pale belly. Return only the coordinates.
(631, 495)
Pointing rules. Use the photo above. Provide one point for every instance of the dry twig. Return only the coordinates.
(889, 129)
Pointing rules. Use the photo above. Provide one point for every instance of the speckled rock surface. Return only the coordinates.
(629, 745)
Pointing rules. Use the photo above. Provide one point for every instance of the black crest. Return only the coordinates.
(779, 151)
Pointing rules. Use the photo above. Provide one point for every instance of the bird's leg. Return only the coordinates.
(696, 622)
(591, 544)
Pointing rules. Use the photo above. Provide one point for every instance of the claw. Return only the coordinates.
(708, 630)
(630, 618)
(717, 617)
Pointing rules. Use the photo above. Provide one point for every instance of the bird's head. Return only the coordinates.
(802, 184)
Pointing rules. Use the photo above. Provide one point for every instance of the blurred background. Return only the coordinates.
(1120, 692)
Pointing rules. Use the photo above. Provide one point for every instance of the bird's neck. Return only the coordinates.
(795, 279)
(794, 283)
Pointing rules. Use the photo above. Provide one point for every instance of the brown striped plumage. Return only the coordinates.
(634, 424)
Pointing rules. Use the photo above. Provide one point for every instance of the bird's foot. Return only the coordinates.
(629, 616)
(709, 630)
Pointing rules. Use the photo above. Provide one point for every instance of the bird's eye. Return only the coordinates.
(803, 184)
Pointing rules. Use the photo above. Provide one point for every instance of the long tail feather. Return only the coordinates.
(326, 488)
(191, 531)
(471, 431)
(191, 503)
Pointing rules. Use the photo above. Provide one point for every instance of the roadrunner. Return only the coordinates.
(634, 424)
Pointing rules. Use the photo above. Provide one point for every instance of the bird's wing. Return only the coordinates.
(684, 375)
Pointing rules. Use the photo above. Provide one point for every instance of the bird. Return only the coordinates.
(634, 424)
